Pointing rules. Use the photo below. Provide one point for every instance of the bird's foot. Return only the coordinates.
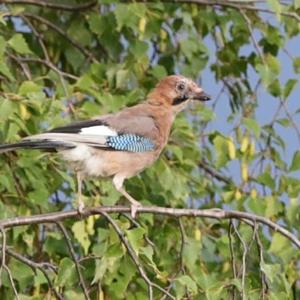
(134, 207)
(80, 207)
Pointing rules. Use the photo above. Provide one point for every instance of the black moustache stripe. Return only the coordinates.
(179, 100)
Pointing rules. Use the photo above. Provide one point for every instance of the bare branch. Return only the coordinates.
(35, 266)
(172, 212)
(232, 257)
(46, 4)
(4, 266)
(131, 253)
(42, 20)
(204, 165)
(46, 63)
(76, 261)
(245, 251)
(254, 41)
(237, 5)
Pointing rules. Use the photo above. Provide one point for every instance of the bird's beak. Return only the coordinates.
(200, 95)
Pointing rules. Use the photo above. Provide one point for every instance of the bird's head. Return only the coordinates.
(176, 91)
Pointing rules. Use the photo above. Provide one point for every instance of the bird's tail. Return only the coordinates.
(35, 144)
(52, 141)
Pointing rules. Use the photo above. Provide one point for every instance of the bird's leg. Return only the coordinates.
(134, 204)
(118, 183)
(80, 206)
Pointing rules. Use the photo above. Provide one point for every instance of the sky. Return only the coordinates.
(267, 104)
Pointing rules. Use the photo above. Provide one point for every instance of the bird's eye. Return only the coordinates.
(181, 86)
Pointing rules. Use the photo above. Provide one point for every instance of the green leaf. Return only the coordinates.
(221, 146)
(67, 275)
(296, 64)
(289, 87)
(4, 70)
(73, 295)
(159, 72)
(80, 233)
(191, 252)
(252, 125)
(266, 179)
(273, 206)
(122, 78)
(295, 165)
(136, 238)
(19, 44)
(275, 6)
(2, 47)
(184, 283)
(271, 270)
(285, 122)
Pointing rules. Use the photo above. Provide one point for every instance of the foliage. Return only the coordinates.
(59, 65)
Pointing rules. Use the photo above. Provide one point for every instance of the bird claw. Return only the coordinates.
(134, 208)
(80, 207)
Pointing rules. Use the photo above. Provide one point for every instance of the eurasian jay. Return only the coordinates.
(123, 144)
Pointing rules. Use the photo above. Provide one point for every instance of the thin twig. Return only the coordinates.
(182, 244)
(236, 5)
(35, 266)
(254, 41)
(232, 257)
(54, 27)
(46, 63)
(73, 254)
(243, 260)
(4, 266)
(3, 258)
(135, 259)
(204, 165)
(11, 282)
(46, 4)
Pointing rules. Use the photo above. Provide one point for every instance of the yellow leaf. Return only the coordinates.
(90, 222)
(231, 148)
(142, 24)
(226, 267)
(25, 115)
(252, 148)
(163, 34)
(253, 193)
(197, 234)
(244, 171)
(237, 194)
(244, 144)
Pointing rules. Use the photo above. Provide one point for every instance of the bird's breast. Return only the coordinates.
(106, 163)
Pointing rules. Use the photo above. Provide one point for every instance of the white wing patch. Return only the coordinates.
(98, 130)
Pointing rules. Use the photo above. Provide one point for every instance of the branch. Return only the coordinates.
(42, 20)
(46, 4)
(40, 266)
(204, 165)
(237, 5)
(76, 261)
(213, 213)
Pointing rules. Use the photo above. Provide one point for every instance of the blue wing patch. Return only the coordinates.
(130, 142)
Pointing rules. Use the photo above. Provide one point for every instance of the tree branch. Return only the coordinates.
(76, 261)
(46, 4)
(74, 43)
(34, 266)
(237, 5)
(172, 212)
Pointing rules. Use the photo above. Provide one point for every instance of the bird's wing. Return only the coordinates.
(124, 131)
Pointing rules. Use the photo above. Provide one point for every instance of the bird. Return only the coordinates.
(119, 145)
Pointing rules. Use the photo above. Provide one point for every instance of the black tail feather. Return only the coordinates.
(40, 144)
